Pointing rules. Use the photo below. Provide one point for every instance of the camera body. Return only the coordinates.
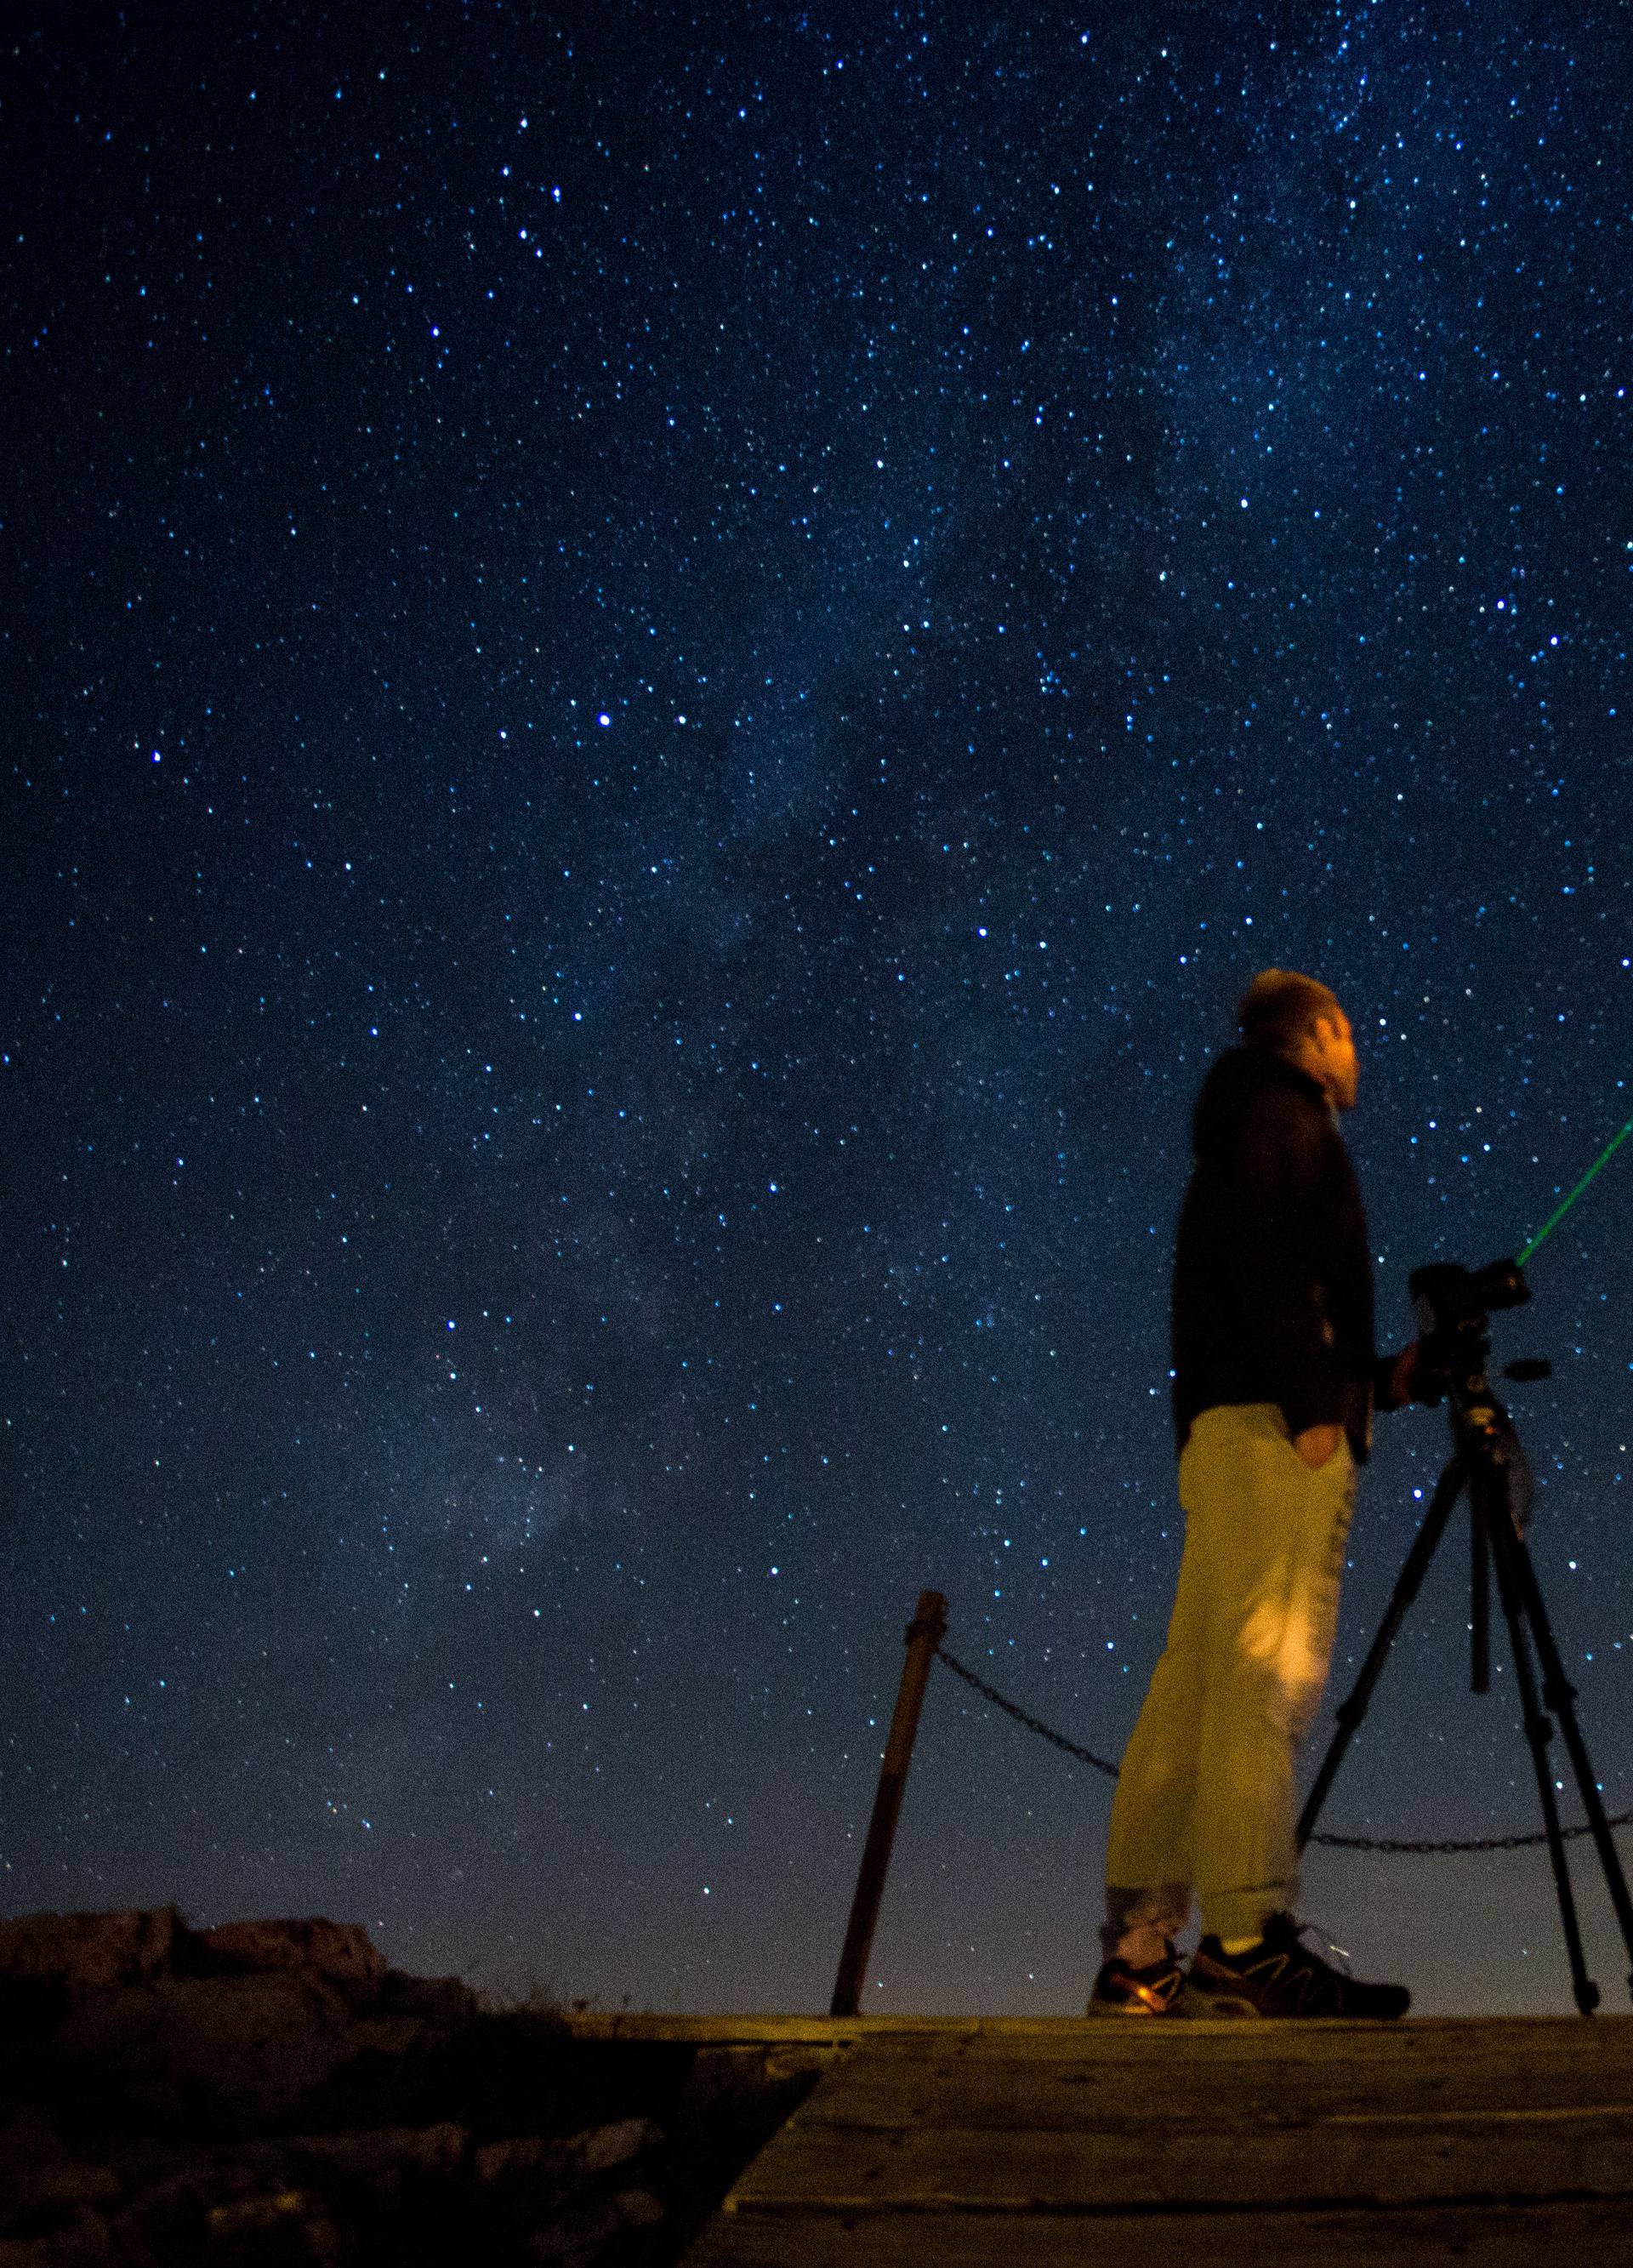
(1449, 1299)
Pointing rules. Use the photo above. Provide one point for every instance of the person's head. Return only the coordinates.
(1300, 1019)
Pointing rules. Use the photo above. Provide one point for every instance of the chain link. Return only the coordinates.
(1391, 1844)
(1021, 1716)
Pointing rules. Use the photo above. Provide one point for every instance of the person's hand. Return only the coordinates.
(1403, 1372)
(1317, 1443)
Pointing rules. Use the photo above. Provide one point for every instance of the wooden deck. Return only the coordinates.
(1492, 2143)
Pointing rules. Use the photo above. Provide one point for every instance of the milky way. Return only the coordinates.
(665, 671)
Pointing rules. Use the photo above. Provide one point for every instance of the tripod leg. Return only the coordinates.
(1408, 1584)
(1538, 1733)
(1560, 1696)
(1479, 1607)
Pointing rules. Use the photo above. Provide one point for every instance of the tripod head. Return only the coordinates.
(1453, 1306)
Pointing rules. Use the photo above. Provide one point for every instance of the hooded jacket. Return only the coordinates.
(1272, 1276)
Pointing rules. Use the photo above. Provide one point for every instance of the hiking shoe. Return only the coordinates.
(1279, 1976)
(1156, 1991)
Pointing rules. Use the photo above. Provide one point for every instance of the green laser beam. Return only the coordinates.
(1558, 1214)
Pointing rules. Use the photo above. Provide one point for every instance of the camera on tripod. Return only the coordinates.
(1452, 1305)
(1449, 1299)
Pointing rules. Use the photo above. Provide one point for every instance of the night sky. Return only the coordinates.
(664, 669)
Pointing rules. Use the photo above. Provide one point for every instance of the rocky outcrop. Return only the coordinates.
(270, 2091)
(80, 1953)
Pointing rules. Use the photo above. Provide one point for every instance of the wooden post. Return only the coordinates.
(924, 1633)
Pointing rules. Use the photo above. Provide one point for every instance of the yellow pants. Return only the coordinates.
(1205, 1799)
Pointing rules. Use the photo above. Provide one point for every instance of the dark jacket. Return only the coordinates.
(1273, 1275)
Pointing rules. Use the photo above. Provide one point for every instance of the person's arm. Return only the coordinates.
(1281, 1180)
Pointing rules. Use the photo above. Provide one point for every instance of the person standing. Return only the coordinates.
(1276, 1380)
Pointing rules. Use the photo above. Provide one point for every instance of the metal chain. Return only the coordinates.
(1032, 1724)
(1384, 1843)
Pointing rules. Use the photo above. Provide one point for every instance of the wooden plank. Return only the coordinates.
(1256, 2077)
(865, 2084)
(1219, 2041)
(1588, 2235)
(1382, 2161)
(1221, 2047)
(745, 2030)
(1006, 2097)
(1110, 2037)
(1217, 2038)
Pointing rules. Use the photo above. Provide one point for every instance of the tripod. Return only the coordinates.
(1489, 1464)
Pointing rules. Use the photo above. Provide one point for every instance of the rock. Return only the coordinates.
(443, 2003)
(569, 2158)
(527, 2157)
(378, 2160)
(94, 1951)
(57, 2192)
(576, 2239)
(340, 1952)
(85, 2244)
(89, 1952)
(270, 2092)
(285, 2225)
(171, 2212)
(249, 2207)
(40, 2185)
(604, 2146)
(222, 2054)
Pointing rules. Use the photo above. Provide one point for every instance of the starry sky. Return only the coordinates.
(664, 668)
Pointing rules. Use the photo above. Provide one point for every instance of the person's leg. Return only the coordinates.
(1274, 1553)
(1149, 1861)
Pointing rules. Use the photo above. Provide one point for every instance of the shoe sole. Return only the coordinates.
(1200, 2003)
(1238, 2005)
(1133, 2008)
